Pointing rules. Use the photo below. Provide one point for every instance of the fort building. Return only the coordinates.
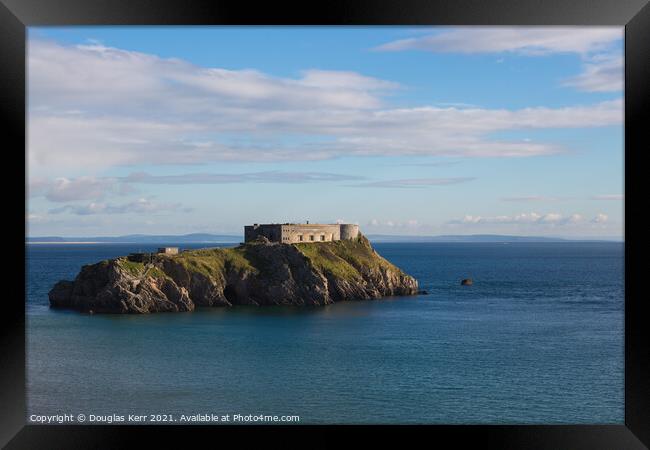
(292, 233)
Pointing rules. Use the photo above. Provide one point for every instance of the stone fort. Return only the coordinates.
(290, 233)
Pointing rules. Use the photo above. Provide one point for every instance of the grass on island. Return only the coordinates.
(344, 258)
(132, 267)
(138, 269)
(212, 261)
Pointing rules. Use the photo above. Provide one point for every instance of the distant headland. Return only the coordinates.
(206, 238)
(300, 264)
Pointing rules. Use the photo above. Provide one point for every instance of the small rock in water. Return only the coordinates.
(423, 292)
(466, 282)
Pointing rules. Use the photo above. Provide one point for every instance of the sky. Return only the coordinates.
(402, 130)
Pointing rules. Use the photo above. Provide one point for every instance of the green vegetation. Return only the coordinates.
(344, 258)
(212, 261)
(323, 257)
(138, 269)
(134, 268)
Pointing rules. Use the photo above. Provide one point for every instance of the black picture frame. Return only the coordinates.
(16, 15)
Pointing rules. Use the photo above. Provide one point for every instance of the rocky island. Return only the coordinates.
(258, 272)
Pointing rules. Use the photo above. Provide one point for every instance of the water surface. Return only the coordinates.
(538, 338)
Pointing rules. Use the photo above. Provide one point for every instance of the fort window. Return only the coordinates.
(322, 237)
(311, 237)
(300, 237)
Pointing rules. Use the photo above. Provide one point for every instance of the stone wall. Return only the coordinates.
(273, 232)
(294, 233)
(349, 231)
(291, 233)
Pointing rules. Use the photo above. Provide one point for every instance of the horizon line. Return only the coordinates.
(402, 236)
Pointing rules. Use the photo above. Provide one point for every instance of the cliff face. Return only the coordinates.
(259, 273)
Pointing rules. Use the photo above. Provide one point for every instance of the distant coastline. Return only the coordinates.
(206, 238)
(485, 238)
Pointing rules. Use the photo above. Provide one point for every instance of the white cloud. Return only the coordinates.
(600, 218)
(252, 177)
(415, 182)
(409, 224)
(575, 218)
(96, 188)
(139, 206)
(601, 74)
(602, 66)
(522, 40)
(93, 106)
(544, 198)
(527, 223)
(608, 197)
(470, 219)
(70, 189)
(531, 198)
(345, 80)
(91, 75)
(532, 218)
(552, 218)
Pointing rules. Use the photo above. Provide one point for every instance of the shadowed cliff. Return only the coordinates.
(257, 273)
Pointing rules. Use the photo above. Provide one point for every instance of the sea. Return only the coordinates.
(537, 339)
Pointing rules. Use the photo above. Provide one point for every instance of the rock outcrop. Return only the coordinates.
(257, 273)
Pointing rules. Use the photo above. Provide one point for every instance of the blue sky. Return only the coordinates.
(403, 130)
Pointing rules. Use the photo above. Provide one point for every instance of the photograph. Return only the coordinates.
(325, 225)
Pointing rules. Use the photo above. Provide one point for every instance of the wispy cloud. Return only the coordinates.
(600, 218)
(63, 189)
(553, 219)
(603, 73)
(531, 198)
(616, 197)
(95, 106)
(602, 67)
(255, 177)
(142, 205)
(544, 198)
(455, 105)
(96, 188)
(522, 40)
(433, 164)
(410, 224)
(415, 182)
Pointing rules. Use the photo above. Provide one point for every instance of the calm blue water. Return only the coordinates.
(537, 339)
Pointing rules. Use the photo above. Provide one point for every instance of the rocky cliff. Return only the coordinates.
(257, 273)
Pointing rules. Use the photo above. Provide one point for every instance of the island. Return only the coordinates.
(313, 267)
